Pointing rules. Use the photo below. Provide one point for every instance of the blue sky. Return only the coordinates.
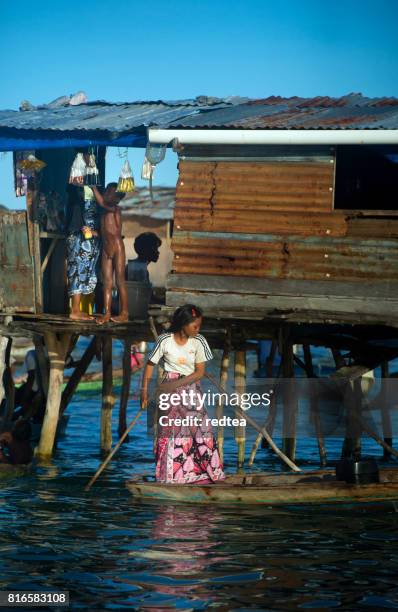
(131, 50)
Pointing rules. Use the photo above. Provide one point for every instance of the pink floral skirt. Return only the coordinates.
(186, 453)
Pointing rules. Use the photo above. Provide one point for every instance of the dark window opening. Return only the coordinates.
(366, 178)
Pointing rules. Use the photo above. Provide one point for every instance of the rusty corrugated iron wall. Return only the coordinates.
(275, 219)
(16, 266)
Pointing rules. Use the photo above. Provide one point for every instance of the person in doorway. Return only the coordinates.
(15, 447)
(184, 454)
(82, 246)
(113, 258)
(146, 245)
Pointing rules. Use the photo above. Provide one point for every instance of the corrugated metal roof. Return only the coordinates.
(115, 118)
(139, 203)
(111, 121)
(353, 111)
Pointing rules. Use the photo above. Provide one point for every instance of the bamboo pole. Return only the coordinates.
(223, 382)
(240, 388)
(239, 412)
(77, 375)
(385, 409)
(314, 404)
(289, 397)
(108, 399)
(57, 345)
(124, 396)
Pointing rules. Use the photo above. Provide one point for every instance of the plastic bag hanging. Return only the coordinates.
(31, 164)
(92, 175)
(78, 170)
(126, 181)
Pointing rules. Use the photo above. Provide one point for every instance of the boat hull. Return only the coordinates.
(320, 487)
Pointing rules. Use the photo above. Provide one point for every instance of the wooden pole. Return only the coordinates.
(124, 396)
(57, 345)
(270, 424)
(42, 361)
(289, 397)
(9, 385)
(223, 382)
(108, 398)
(3, 348)
(78, 372)
(314, 404)
(240, 387)
(353, 404)
(385, 409)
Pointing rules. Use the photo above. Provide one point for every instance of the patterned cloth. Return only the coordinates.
(82, 255)
(186, 454)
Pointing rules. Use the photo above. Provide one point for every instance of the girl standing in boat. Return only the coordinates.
(184, 453)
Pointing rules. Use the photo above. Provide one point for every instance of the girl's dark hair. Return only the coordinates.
(183, 316)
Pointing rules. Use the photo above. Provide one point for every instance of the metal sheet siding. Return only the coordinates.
(276, 221)
(16, 267)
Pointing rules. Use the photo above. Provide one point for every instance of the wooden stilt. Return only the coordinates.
(3, 348)
(124, 396)
(385, 409)
(57, 345)
(43, 364)
(220, 406)
(289, 398)
(76, 377)
(108, 398)
(240, 387)
(9, 385)
(314, 404)
(353, 404)
(270, 423)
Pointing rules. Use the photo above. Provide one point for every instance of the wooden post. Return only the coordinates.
(240, 387)
(9, 385)
(108, 398)
(385, 409)
(289, 397)
(57, 345)
(34, 241)
(42, 361)
(270, 424)
(314, 405)
(79, 371)
(124, 396)
(220, 406)
(3, 348)
(353, 404)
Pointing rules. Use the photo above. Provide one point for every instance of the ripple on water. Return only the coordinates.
(111, 552)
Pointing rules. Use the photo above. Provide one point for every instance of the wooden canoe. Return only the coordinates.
(315, 487)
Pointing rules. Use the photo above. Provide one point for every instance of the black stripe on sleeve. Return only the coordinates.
(206, 348)
(157, 345)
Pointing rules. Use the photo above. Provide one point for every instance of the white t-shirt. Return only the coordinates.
(180, 358)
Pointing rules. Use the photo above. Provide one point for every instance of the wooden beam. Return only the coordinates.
(314, 404)
(124, 396)
(77, 375)
(385, 409)
(57, 345)
(108, 398)
(240, 387)
(289, 397)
